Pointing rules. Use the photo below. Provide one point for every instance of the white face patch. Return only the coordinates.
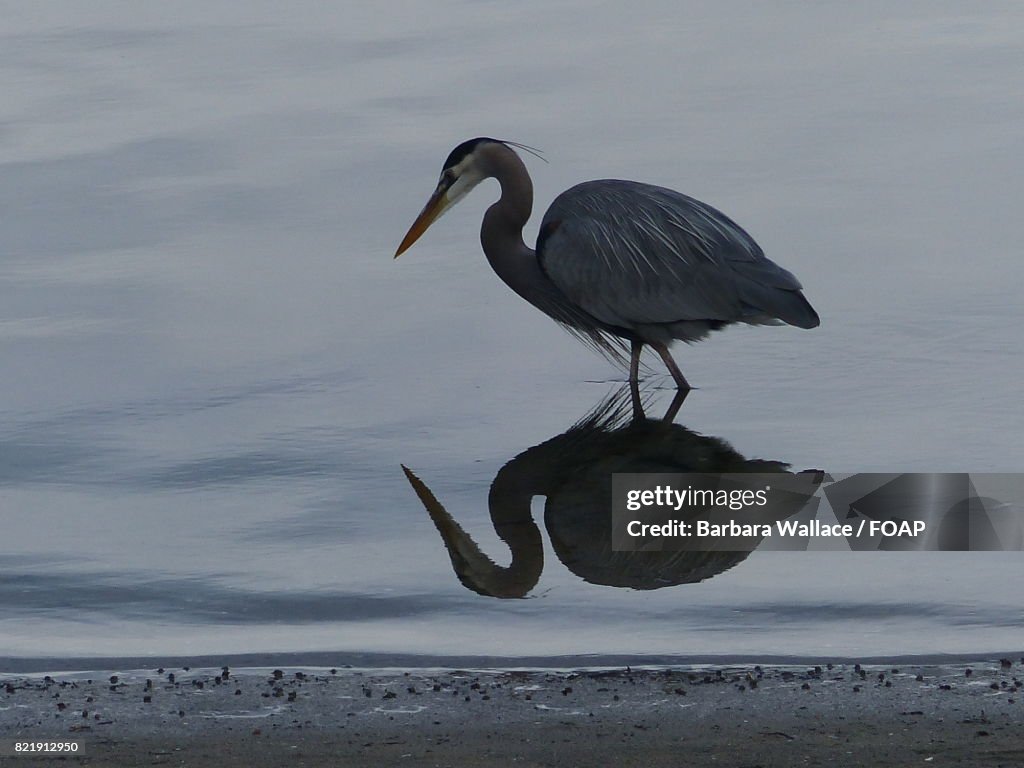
(467, 176)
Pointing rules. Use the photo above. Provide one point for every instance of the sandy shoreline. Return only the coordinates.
(746, 715)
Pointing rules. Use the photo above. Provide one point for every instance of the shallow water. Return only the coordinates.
(214, 369)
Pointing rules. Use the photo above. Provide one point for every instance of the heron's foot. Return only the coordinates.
(681, 383)
(666, 356)
(638, 404)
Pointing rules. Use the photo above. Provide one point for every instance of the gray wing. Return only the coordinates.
(634, 254)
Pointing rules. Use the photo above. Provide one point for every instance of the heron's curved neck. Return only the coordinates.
(501, 233)
(509, 502)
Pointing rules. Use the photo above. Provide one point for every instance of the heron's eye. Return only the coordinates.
(448, 177)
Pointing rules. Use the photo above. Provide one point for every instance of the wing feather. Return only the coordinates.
(634, 255)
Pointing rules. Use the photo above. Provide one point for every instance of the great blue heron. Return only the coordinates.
(619, 261)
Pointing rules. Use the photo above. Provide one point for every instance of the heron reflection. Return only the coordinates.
(574, 471)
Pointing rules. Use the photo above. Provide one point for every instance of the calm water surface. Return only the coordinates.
(213, 368)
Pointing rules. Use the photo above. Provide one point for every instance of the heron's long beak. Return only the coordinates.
(435, 206)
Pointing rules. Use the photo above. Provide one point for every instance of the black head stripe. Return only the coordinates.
(465, 148)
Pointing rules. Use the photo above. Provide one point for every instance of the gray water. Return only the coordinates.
(213, 368)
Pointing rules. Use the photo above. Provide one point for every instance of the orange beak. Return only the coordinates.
(435, 207)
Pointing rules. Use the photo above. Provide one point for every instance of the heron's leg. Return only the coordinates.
(635, 347)
(638, 406)
(681, 381)
(634, 380)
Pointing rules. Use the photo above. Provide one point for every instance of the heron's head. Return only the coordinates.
(466, 166)
(461, 172)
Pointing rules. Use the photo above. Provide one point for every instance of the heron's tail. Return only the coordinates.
(799, 312)
(775, 306)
